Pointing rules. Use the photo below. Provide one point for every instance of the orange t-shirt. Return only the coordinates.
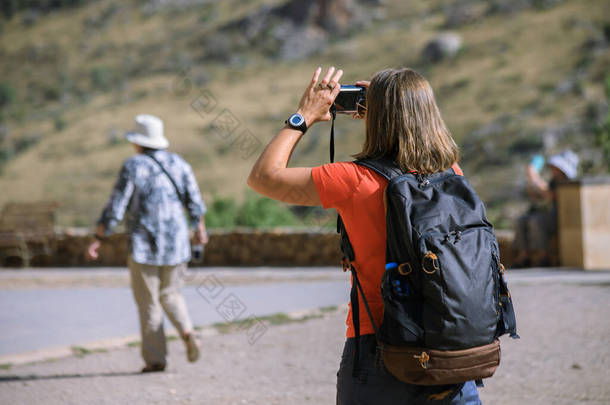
(357, 194)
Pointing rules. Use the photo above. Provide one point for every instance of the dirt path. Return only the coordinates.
(563, 357)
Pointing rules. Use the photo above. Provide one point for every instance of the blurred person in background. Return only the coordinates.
(155, 188)
(536, 229)
(402, 123)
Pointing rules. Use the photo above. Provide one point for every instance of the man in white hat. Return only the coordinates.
(154, 188)
(538, 226)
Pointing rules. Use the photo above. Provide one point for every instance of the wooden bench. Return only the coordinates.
(27, 230)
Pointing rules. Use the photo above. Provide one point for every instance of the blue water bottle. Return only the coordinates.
(398, 282)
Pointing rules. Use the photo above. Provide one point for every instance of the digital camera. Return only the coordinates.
(351, 100)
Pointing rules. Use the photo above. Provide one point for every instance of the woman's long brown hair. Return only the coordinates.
(403, 123)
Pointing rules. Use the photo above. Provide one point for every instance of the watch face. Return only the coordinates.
(295, 120)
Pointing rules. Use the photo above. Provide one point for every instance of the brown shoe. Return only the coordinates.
(153, 368)
(192, 348)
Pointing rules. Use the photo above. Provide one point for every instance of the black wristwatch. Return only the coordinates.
(297, 121)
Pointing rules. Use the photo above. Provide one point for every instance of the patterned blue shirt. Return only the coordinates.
(157, 228)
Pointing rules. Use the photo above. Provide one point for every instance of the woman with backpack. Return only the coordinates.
(403, 124)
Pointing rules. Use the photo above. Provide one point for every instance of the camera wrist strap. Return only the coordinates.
(333, 112)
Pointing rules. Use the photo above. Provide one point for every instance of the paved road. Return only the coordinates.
(43, 318)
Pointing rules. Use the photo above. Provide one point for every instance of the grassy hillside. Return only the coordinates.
(525, 81)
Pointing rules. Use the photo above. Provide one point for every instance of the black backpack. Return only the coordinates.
(445, 298)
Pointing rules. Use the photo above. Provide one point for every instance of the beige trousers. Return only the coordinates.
(157, 289)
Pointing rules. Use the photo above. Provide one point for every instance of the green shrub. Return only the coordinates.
(7, 95)
(254, 212)
(60, 123)
(262, 212)
(51, 93)
(11, 7)
(25, 142)
(525, 143)
(606, 30)
(101, 78)
(10, 149)
(222, 213)
(6, 154)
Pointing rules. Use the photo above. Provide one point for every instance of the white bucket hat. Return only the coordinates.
(148, 132)
(567, 162)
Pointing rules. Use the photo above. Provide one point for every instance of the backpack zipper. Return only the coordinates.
(496, 276)
(408, 176)
(446, 237)
(423, 180)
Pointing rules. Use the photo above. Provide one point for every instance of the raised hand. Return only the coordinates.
(318, 97)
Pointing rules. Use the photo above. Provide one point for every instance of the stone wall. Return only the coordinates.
(225, 248)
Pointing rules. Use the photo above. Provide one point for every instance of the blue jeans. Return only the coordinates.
(376, 386)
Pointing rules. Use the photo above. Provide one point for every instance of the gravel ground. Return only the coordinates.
(563, 357)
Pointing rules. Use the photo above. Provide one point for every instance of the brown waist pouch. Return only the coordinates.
(423, 366)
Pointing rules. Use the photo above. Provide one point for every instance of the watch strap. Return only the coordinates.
(302, 127)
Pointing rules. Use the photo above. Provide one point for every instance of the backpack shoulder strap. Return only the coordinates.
(388, 168)
(385, 167)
